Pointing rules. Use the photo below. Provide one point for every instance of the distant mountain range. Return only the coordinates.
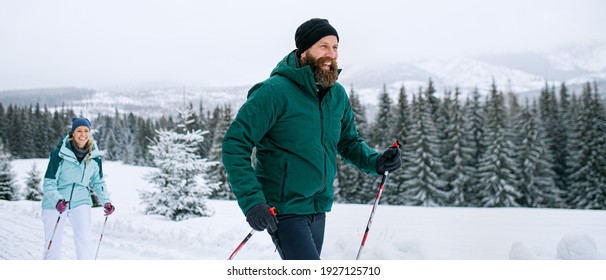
(523, 73)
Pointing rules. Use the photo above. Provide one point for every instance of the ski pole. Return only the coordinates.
(250, 234)
(273, 211)
(101, 238)
(50, 242)
(396, 144)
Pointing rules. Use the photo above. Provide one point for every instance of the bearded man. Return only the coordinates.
(299, 120)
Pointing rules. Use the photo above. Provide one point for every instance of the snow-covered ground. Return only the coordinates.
(397, 233)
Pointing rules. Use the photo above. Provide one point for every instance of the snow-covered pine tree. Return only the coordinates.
(587, 189)
(497, 166)
(41, 126)
(474, 133)
(422, 185)
(393, 193)
(129, 135)
(8, 187)
(3, 123)
(217, 172)
(33, 190)
(351, 184)
(180, 178)
(202, 121)
(382, 131)
(457, 152)
(536, 176)
(562, 154)
(144, 134)
(110, 141)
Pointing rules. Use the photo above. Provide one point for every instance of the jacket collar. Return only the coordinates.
(66, 149)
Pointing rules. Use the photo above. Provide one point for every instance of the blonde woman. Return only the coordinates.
(73, 166)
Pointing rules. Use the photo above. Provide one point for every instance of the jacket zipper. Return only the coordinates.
(323, 150)
(83, 172)
(71, 194)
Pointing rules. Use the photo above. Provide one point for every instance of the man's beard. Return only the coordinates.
(323, 78)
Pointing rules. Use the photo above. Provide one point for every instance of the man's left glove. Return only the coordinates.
(108, 208)
(261, 217)
(390, 160)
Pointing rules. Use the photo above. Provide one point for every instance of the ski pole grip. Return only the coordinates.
(396, 144)
(273, 211)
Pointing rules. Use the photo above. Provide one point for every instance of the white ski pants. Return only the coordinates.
(80, 219)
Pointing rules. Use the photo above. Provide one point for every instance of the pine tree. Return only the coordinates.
(551, 126)
(457, 152)
(15, 131)
(474, 133)
(422, 185)
(393, 194)
(203, 123)
(497, 166)
(587, 179)
(41, 139)
(562, 153)
(110, 140)
(431, 99)
(128, 138)
(217, 172)
(180, 176)
(3, 125)
(8, 187)
(27, 145)
(536, 176)
(144, 132)
(383, 129)
(351, 184)
(33, 190)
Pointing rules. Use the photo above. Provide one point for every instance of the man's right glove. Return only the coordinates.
(390, 160)
(61, 206)
(260, 217)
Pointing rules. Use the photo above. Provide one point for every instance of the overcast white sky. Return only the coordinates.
(235, 42)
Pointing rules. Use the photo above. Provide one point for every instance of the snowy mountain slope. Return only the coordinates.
(470, 73)
(159, 101)
(523, 73)
(520, 72)
(398, 232)
(590, 58)
(154, 102)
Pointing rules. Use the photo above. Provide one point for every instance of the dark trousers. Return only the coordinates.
(299, 237)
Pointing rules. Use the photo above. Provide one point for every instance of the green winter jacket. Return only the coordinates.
(297, 139)
(68, 179)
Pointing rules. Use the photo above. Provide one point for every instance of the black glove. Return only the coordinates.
(260, 218)
(390, 160)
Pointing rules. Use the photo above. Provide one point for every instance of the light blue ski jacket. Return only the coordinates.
(68, 179)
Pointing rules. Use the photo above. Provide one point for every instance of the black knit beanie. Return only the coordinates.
(311, 31)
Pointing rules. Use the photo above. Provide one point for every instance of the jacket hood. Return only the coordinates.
(289, 68)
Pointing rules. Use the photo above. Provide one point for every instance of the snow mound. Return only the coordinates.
(577, 247)
(519, 251)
